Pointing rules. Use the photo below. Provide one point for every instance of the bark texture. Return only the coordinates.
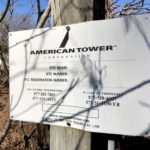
(71, 11)
(69, 139)
(65, 12)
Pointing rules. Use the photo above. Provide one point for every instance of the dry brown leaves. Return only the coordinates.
(14, 139)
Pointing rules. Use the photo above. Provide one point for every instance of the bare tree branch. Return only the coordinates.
(5, 11)
(127, 8)
(38, 7)
(3, 133)
(26, 137)
(44, 15)
(39, 10)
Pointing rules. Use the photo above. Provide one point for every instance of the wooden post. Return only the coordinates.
(111, 145)
(69, 139)
(65, 12)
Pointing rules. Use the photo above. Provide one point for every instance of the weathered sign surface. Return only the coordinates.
(93, 76)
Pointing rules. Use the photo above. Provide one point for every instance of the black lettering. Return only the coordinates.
(64, 51)
(102, 48)
(79, 49)
(32, 52)
(39, 52)
(109, 47)
(71, 50)
(85, 49)
(45, 52)
(93, 48)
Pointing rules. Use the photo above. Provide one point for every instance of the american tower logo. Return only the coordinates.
(62, 50)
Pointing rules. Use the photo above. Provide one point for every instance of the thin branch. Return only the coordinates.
(129, 8)
(5, 11)
(132, 10)
(26, 137)
(39, 10)
(44, 15)
(3, 133)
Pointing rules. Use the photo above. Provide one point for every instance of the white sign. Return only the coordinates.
(93, 76)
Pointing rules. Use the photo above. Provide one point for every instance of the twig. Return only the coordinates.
(44, 15)
(5, 11)
(3, 133)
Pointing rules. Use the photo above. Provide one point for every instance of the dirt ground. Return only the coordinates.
(21, 135)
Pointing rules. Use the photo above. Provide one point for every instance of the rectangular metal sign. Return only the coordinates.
(93, 76)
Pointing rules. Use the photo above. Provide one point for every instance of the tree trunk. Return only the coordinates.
(71, 11)
(68, 12)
